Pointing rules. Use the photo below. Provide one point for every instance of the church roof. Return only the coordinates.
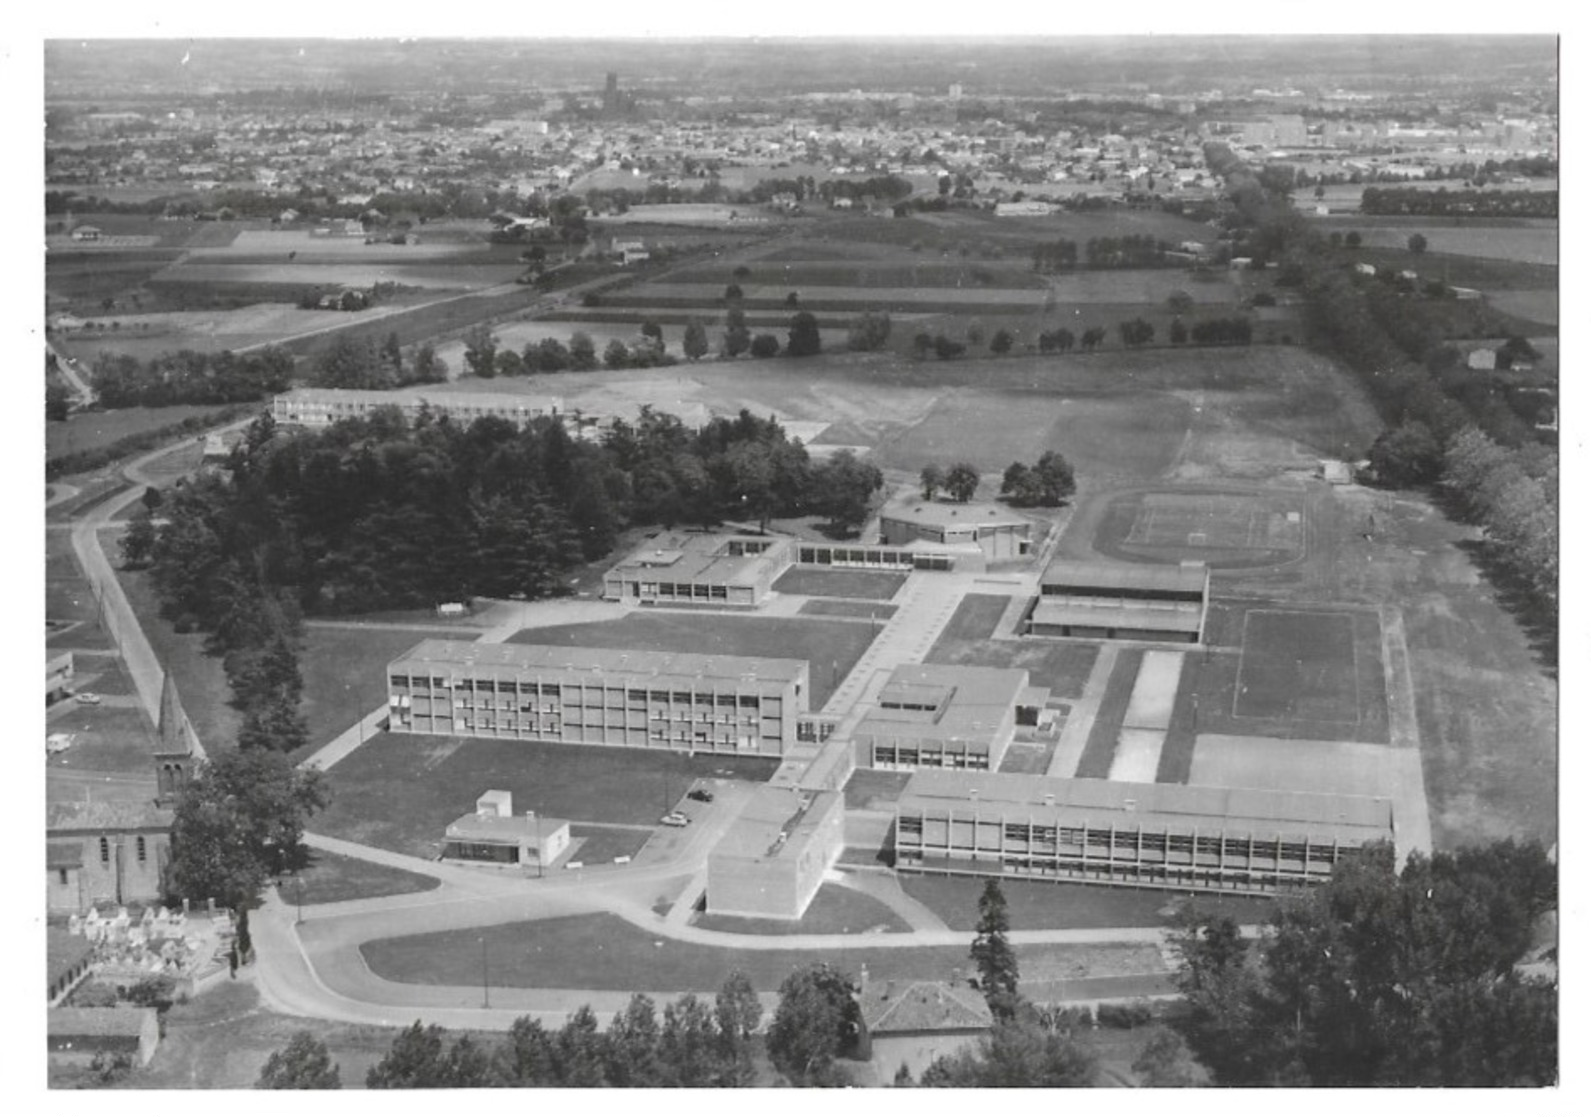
(103, 816)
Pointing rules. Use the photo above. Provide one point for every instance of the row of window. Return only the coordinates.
(887, 756)
(1223, 878)
(1127, 840)
(104, 852)
(553, 690)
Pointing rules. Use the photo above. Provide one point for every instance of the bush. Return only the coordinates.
(1134, 1015)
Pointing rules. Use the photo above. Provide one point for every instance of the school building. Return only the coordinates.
(1152, 835)
(934, 716)
(694, 568)
(771, 861)
(998, 533)
(1121, 601)
(493, 835)
(599, 696)
(320, 407)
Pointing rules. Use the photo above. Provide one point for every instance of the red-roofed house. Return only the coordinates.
(914, 1023)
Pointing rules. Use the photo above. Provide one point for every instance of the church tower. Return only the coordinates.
(174, 752)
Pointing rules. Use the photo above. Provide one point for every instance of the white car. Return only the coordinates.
(676, 818)
(88, 699)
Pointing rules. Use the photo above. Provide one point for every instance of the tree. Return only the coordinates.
(961, 482)
(992, 953)
(817, 1021)
(1165, 1061)
(1179, 332)
(868, 332)
(1352, 239)
(1180, 302)
(733, 293)
(845, 486)
(582, 352)
(616, 355)
(1000, 342)
(1418, 243)
(737, 1011)
(1407, 455)
(57, 403)
(1016, 1053)
(932, 478)
(632, 1045)
(1054, 478)
(415, 1060)
(652, 331)
(138, 544)
(239, 822)
(1136, 332)
(480, 350)
(428, 367)
(695, 341)
(765, 345)
(304, 1064)
(805, 340)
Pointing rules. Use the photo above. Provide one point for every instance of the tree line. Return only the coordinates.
(1133, 250)
(365, 363)
(1442, 202)
(190, 377)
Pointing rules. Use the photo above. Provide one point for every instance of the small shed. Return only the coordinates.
(76, 1035)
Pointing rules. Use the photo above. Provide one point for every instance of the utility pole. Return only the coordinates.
(486, 989)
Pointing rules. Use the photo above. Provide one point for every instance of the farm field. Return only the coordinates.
(400, 790)
(897, 270)
(1528, 245)
(1532, 305)
(402, 271)
(254, 246)
(816, 298)
(830, 647)
(602, 951)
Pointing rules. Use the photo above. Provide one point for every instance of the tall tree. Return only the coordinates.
(632, 1045)
(932, 478)
(695, 341)
(804, 340)
(480, 350)
(992, 953)
(1016, 1053)
(847, 485)
(961, 482)
(416, 1060)
(304, 1064)
(817, 1021)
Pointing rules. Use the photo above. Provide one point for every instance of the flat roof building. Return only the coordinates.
(941, 716)
(1121, 601)
(771, 861)
(997, 532)
(599, 696)
(320, 407)
(1146, 834)
(493, 835)
(695, 568)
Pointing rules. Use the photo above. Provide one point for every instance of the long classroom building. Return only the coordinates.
(598, 696)
(1151, 835)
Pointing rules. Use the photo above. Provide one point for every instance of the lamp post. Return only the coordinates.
(486, 989)
(298, 889)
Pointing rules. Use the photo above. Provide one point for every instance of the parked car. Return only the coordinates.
(675, 818)
(88, 699)
(700, 794)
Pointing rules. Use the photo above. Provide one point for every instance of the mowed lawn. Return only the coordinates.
(399, 791)
(602, 951)
(1046, 905)
(1298, 665)
(331, 878)
(345, 674)
(89, 430)
(868, 585)
(831, 647)
(835, 910)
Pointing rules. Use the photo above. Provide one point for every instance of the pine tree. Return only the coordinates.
(992, 953)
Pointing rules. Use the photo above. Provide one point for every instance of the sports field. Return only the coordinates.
(1297, 665)
(1221, 529)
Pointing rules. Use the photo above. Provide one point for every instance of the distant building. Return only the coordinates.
(1121, 601)
(599, 696)
(913, 1023)
(1152, 835)
(77, 1035)
(940, 716)
(1023, 209)
(320, 407)
(58, 671)
(68, 962)
(696, 568)
(87, 232)
(998, 533)
(772, 860)
(493, 835)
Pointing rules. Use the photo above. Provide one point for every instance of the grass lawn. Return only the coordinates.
(332, 877)
(1043, 905)
(858, 610)
(89, 430)
(872, 789)
(1029, 758)
(201, 682)
(602, 951)
(831, 647)
(112, 740)
(870, 585)
(344, 673)
(835, 910)
(604, 843)
(400, 790)
(69, 599)
(1101, 747)
(975, 618)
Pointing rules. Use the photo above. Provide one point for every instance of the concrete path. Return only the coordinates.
(545, 614)
(925, 605)
(887, 890)
(1080, 720)
(347, 741)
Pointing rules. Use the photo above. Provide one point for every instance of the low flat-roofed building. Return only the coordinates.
(1146, 834)
(68, 959)
(320, 407)
(493, 835)
(680, 701)
(919, 554)
(771, 861)
(58, 671)
(76, 1035)
(941, 716)
(996, 531)
(694, 568)
(1121, 601)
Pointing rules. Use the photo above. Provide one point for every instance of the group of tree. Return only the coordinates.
(945, 348)
(1135, 332)
(959, 482)
(1513, 493)
(354, 361)
(1381, 978)
(869, 332)
(1130, 251)
(1413, 201)
(190, 377)
(377, 513)
(1236, 330)
(1047, 483)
